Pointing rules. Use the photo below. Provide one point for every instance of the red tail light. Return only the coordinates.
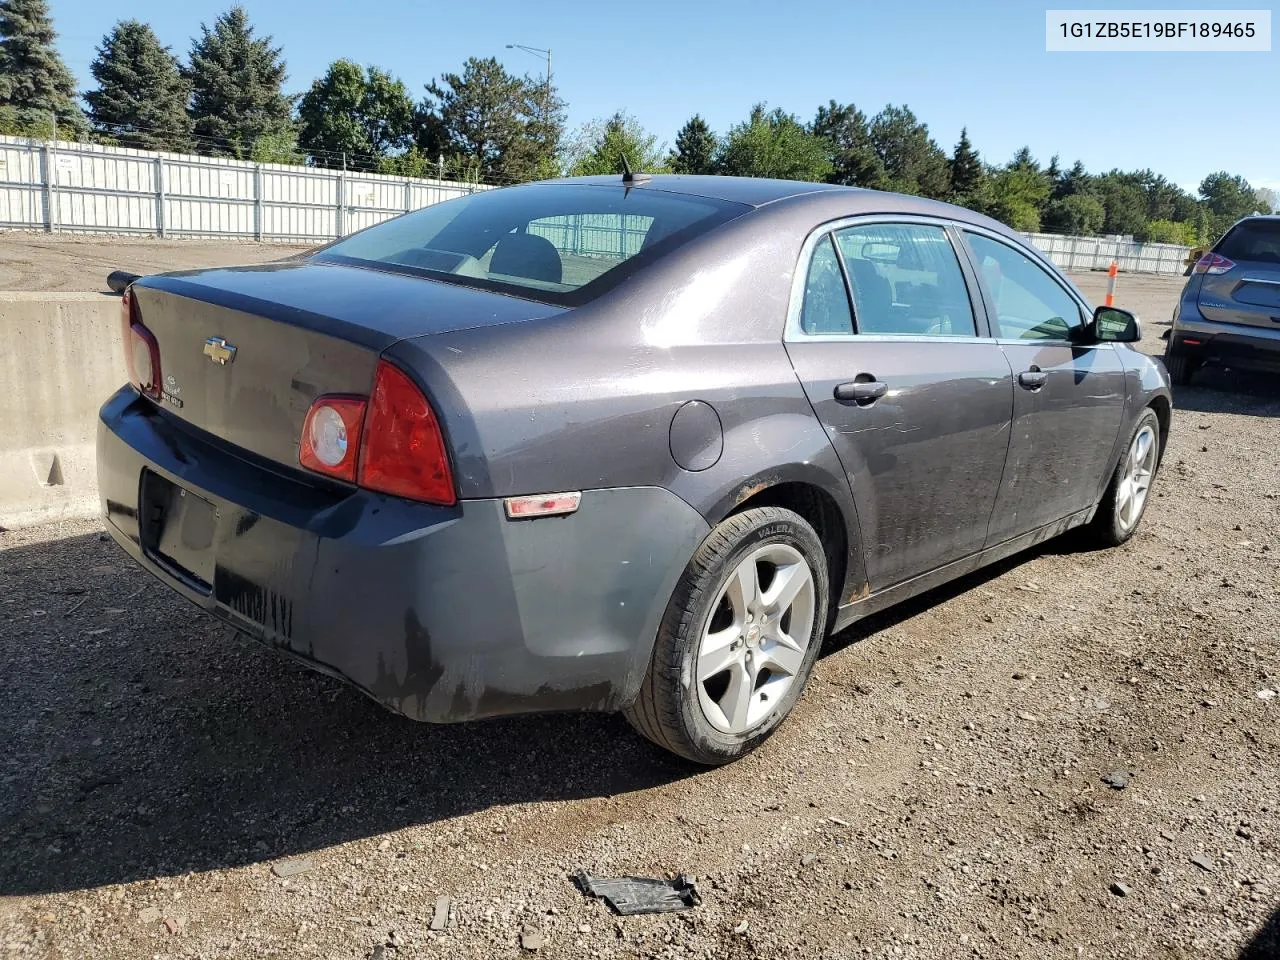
(1214, 264)
(141, 351)
(403, 452)
(331, 436)
(391, 443)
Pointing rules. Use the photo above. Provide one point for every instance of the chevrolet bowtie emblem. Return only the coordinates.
(219, 351)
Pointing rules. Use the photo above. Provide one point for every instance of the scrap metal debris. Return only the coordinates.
(629, 896)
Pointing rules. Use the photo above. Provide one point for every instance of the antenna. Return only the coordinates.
(628, 177)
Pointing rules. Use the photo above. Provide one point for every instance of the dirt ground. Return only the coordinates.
(938, 793)
(39, 261)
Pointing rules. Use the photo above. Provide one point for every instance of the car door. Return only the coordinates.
(916, 399)
(1069, 397)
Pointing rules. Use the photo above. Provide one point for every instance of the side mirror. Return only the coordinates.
(1113, 325)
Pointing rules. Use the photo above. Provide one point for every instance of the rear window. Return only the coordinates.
(561, 243)
(1252, 240)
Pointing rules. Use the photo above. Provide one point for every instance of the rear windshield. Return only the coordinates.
(562, 243)
(1252, 240)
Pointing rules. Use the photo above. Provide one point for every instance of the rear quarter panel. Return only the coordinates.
(585, 399)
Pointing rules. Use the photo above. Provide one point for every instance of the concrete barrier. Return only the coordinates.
(60, 358)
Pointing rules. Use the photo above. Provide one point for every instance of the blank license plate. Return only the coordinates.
(178, 529)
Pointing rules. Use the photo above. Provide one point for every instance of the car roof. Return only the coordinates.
(761, 191)
(753, 191)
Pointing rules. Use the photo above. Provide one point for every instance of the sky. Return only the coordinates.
(980, 65)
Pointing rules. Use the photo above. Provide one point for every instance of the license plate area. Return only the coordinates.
(176, 529)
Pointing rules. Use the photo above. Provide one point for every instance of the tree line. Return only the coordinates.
(487, 124)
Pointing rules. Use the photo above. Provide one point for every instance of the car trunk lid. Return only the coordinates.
(245, 351)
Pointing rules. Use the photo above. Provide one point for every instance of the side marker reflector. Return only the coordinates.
(544, 505)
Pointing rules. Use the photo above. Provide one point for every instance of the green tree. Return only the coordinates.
(1266, 199)
(278, 147)
(491, 123)
(853, 157)
(913, 161)
(1080, 214)
(1124, 197)
(1169, 231)
(141, 99)
(773, 144)
(1053, 172)
(1228, 196)
(35, 85)
(1019, 192)
(354, 111)
(236, 81)
(601, 145)
(695, 148)
(1070, 182)
(968, 178)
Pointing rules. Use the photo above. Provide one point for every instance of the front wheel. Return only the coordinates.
(1125, 501)
(738, 640)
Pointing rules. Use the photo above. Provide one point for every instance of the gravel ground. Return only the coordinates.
(938, 793)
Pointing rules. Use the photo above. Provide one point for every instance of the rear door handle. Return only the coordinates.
(861, 392)
(1033, 379)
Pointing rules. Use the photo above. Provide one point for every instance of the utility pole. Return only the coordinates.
(537, 51)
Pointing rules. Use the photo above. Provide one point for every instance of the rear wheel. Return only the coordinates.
(1180, 368)
(1125, 501)
(738, 640)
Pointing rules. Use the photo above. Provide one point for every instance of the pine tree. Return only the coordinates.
(853, 157)
(491, 124)
(966, 172)
(235, 86)
(35, 85)
(141, 100)
(695, 148)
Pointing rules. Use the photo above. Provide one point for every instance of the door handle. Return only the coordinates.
(861, 392)
(1033, 379)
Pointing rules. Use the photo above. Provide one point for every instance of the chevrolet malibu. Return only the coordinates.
(617, 443)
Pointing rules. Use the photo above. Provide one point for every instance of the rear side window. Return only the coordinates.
(1030, 304)
(826, 302)
(561, 243)
(1252, 240)
(906, 280)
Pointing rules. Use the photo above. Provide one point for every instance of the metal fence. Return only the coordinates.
(1096, 253)
(88, 188)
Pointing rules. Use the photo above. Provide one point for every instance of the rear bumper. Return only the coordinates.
(1227, 344)
(439, 613)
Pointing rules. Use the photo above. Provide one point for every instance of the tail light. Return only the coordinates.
(391, 443)
(141, 351)
(331, 436)
(1213, 264)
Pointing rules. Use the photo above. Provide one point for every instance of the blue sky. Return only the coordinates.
(979, 64)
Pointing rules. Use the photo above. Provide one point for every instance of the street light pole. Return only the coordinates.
(536, 51)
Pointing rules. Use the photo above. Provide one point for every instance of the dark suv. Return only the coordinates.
(1229, 311)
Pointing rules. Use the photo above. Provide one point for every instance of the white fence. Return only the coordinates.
(87, 188)
(1096, 253)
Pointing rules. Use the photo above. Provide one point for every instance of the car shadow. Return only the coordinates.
(143, 739)
(1265, 944)
(1222, 390)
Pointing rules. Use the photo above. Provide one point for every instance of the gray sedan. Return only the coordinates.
(618, 443)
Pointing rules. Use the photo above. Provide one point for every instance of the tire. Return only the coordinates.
(682, 713)
(1180, 368)
(1112, 525)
